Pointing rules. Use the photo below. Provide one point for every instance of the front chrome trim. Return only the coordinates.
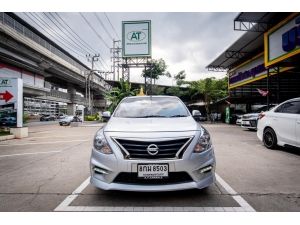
(122, 148)
(183, 147)
(127, 155)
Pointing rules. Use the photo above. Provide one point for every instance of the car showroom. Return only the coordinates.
(262, 66)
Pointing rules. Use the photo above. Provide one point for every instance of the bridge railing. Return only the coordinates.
(11, 22)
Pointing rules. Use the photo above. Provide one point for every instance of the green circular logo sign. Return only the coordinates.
(136, 36)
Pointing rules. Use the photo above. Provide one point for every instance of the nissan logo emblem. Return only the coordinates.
(152, 149)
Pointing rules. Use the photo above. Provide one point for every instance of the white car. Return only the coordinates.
(281, 125)
(238, 120)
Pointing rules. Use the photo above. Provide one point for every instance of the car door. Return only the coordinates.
(284, 122)
(298, 126)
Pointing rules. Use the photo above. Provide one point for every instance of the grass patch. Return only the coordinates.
(4, 133)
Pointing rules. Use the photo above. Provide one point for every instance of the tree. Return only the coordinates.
(210, 88)
(116, 94)
(180, 78)
(157, 69)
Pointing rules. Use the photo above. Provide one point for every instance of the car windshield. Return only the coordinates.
(147, 107)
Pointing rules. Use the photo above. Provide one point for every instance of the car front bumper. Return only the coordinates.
(190, 164)
(249, 124)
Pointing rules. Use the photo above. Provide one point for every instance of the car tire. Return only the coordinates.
(269, 138)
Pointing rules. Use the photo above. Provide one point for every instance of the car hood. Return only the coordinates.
(250, 115)
(129, 125)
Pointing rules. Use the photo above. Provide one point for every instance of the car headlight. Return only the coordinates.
(204, 142)
(100, 143)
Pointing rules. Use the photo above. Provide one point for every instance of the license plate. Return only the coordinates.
(245, 123)
(153, 171)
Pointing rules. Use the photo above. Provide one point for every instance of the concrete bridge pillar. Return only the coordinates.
(71, 107)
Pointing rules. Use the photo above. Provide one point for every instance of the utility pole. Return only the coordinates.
(116, 56)
(92, 59)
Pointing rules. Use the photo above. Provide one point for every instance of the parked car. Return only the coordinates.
(238, 120)
(152, 144)
(61, 116)
(68, 120)
(47, 118)
(235, 115)
(249, 120)
(281, 125)
(8, 121)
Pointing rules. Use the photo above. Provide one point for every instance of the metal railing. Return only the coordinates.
(21, 29)
(9, 21)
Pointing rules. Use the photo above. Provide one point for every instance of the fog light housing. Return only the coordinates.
(100, 170)
(206, 169)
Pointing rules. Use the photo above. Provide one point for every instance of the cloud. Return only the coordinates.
(185, 40)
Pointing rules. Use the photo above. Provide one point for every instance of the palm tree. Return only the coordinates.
(116, 94)
(210, 88)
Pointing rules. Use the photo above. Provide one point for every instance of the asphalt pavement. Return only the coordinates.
(49, 171)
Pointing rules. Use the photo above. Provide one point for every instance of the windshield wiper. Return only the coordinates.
(179, 116)
(149, 116)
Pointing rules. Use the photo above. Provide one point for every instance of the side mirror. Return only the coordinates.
(106, 115)
(196, 114)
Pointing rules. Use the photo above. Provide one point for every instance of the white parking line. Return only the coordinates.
(43, 143)
(30, 153)
(65, 204)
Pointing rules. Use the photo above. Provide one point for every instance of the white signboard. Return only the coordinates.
(11, 102)
(136, 38)
(282, 41)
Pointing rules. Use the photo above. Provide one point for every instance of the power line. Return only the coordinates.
(112, 26)
(58, 34)
(75, 44)
(67, 44)
(64, 22)
(98, 35)
(104, 28)
(41, 27)
(74, 32)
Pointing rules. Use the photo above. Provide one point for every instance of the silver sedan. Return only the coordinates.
(152, 143)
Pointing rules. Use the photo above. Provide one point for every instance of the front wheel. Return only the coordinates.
(269, 138)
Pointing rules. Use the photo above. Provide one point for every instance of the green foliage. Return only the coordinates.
(95, 117)
(26, 117)
(211, 89)
(116, 94)
(4, 132)
(156, 90)
(180, 78)
(158, 69)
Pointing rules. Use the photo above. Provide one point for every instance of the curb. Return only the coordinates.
(7, 137)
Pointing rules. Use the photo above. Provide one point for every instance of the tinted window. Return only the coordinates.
(145, 107)
(290, 107)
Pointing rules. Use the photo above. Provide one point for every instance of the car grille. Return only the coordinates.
(167, 148)
(173, 178)
(246, 117)
(253, 123)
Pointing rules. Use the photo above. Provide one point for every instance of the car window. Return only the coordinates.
(145, 107)
(290, 107)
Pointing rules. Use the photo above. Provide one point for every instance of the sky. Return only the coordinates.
(186, 41)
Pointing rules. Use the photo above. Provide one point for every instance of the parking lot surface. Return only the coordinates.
(49, 171)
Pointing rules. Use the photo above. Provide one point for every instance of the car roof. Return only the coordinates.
(152, 96)
(293, 99)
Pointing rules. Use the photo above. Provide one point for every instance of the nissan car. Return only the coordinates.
(152, 143)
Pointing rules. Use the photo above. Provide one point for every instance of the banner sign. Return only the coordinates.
(11, 102)
(136, 38)
(247, 71)
(283, 40)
